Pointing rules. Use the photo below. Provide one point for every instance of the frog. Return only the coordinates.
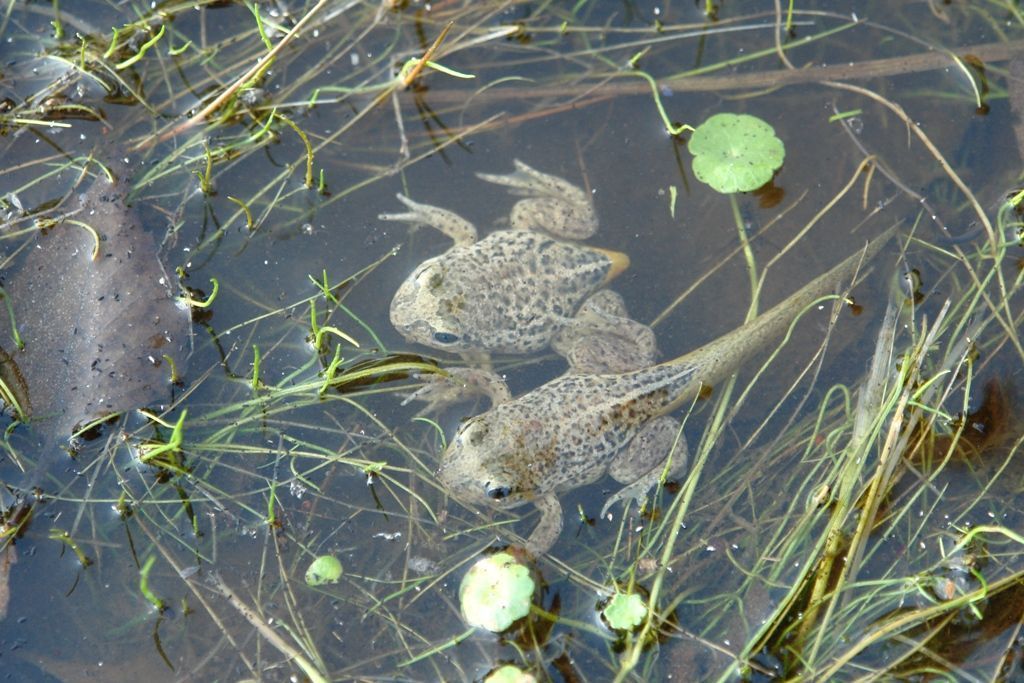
(600, 338)
(580, 426)
(516, 290)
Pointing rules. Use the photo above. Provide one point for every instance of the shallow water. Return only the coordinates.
(351, 472)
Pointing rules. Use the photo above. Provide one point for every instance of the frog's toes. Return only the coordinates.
(416, 215)
(658, 450)
(551, 204)
(440, 391)
(524, 181)
(448, 222)
(637, 491)
(436, 394)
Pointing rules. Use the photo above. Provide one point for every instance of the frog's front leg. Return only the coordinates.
(549, 528)
(640, 465)
(552, 205)
(448, 222)
(456, 385)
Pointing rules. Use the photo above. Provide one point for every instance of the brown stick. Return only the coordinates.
(889, 66)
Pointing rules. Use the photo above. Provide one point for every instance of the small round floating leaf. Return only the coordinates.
(324, 569)
(495, 592)
(509, 674)
(625, 611)
(735, 152)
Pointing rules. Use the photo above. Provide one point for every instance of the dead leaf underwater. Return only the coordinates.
(95, 330)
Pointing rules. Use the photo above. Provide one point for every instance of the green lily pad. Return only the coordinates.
(324, 569)
(495, 592)
(509, 674)
(735, 152)
(625, 611)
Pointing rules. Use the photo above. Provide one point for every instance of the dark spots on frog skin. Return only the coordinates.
(632, 413)
(475, 434)
(532, 456)
(514, 289)
(451, 306)
(626, 412)
(535, 330)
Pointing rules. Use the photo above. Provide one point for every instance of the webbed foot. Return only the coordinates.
(440, 391)
(448, 222)
(659, 446)
(552, 205)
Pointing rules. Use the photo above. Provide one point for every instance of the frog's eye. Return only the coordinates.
(445, 337)
(495, 492)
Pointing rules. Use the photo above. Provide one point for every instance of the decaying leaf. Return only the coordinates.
(95, 328)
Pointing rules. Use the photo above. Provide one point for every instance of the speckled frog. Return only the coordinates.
(516, 290)
(578, 427)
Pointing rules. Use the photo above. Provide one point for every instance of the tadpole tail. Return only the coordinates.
(716, 361)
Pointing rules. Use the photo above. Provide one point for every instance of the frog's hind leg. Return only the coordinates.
(552, 205)
(641, 465)
(602, 338)
(607, 302)
(447, 222)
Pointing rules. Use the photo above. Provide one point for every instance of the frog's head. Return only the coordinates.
(426, 311)
(492, 461)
